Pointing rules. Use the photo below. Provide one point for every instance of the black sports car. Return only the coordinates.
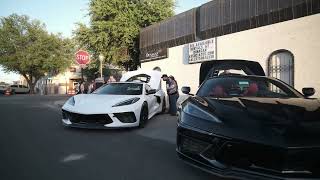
(249, 126)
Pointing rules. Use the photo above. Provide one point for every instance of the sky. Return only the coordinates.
(60, 16)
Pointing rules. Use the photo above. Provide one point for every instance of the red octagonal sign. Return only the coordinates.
(82, 57)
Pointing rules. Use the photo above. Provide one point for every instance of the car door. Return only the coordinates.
(21, 90)
(151, 100)
(25, 89)
(14, 88)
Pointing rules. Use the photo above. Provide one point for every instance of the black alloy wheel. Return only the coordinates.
(143, 115)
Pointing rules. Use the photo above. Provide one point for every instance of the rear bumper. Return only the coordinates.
(5, 91)
(208, 152)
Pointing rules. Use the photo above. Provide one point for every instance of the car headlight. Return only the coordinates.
(127, 102)
(71, 101)
(195, 111)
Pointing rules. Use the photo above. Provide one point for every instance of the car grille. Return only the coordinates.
(87, 119)
(277, 161)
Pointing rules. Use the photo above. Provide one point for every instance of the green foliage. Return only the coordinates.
(115, 25)
(28, 49)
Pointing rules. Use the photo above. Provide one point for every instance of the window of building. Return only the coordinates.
(281, 66)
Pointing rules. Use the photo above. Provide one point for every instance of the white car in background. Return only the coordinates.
(20, 89)
(128, 103)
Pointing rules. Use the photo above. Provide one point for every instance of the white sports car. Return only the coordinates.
(128, 103)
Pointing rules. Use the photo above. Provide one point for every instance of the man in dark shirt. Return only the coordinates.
(172, 91)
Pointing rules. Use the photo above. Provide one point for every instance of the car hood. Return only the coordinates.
(155, 77)
(95, 103)
(287, 122)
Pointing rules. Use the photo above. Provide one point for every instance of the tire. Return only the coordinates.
(143, 115)
(163, 110)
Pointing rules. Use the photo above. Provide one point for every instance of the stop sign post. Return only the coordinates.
(82, 58)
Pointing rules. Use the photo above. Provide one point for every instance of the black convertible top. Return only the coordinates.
(208, 69)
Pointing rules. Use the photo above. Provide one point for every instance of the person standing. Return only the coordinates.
(81, 88)
(111, 79)
(172, 91)
(86, 85)
(91, 87)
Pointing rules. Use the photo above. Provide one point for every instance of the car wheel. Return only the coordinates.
(13, 92)
(163, 105)
(143, 115)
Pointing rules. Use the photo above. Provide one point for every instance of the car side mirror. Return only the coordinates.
(308, 91)
(151, 91)
(186, 90)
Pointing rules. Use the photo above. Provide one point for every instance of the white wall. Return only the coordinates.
(300, 36)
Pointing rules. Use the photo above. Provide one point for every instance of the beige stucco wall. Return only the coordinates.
(300, 36)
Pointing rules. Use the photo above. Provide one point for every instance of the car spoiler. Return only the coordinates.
(208, 69)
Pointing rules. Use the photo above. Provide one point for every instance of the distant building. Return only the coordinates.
(63, 83)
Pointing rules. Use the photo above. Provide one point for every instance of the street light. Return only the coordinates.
(46, 85)
(101, 58)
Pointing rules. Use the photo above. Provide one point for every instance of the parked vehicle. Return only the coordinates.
(99, 82)
(249, 126)
(128, 103)
(5, 89)
(20, 89)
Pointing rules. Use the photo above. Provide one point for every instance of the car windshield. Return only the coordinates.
(120, 89)
(246, 86)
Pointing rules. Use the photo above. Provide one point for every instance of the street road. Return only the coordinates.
(35, 145)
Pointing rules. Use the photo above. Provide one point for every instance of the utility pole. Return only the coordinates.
(101, 58)
(82, 74)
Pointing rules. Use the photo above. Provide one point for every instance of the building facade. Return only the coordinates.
(63, 83)
(282, 35)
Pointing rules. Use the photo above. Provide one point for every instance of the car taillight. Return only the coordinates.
(7, 92)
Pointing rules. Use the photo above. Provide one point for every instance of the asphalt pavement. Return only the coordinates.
(35, 145)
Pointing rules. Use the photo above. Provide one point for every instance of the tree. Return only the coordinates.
(28, 49)
(115, 26)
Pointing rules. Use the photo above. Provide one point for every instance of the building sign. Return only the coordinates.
(153, 54)
(202, 51)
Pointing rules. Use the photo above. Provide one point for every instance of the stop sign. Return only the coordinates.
(82, 57)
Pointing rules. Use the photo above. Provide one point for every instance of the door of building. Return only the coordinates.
(281, 66)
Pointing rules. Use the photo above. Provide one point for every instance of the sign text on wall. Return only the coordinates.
(202, 51)
(151, 55)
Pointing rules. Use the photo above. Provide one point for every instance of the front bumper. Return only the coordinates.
(99, 121)
(232, 158)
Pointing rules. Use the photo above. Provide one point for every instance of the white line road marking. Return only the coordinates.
(74, 157)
